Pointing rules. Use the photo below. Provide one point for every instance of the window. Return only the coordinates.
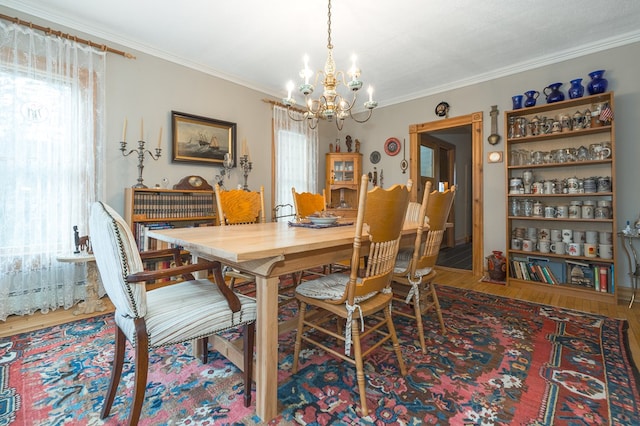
(51, 135)
(296, 158)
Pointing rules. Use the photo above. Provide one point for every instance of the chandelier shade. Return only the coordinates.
(331, 104)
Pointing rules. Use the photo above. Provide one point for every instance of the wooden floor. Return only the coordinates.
(451, 277)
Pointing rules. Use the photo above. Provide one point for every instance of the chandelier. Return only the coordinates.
(331, 104)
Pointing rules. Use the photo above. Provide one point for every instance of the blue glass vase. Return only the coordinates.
(598, 84)
(576, 90)
(517, 101)
(553, 93)
(530, 98)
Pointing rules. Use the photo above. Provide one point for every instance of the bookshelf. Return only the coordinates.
(153, 208)
(560, 189)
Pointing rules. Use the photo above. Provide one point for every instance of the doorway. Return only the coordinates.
(469, 196)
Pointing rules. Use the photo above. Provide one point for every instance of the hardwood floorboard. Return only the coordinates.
(446, 276)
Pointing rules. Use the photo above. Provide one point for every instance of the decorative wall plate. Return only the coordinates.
(442, 109)
(392, 146)
(374, 157)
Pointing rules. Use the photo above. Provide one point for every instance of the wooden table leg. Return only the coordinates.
(266, 372)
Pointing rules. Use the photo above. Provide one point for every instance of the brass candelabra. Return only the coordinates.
(246, 167)
(141, 151)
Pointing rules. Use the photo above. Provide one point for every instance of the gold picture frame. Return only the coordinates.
(201, 139)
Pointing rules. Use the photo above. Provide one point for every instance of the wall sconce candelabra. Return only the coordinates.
(227, 165)
(246, 166)
(141, 151)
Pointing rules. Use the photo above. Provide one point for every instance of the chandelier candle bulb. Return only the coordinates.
(124, 131)
(160, 138)
(370, 91)
(142, 129)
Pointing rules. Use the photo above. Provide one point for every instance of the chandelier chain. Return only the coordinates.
(329, 45)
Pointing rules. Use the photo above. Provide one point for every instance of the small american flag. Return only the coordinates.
(606, 114)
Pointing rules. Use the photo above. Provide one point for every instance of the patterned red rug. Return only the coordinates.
(501, 362)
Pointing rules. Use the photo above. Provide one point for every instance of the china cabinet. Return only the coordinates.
(561, 198)
(154, 208)
(343, 172)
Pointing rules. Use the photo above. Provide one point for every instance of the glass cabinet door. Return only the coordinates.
(343, 170)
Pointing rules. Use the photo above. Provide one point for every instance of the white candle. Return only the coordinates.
(142, 129)
(353, 67)
(160, 137)
(306, 69)
(370, 90)
(248, 154)
(244, 147)
(289, 89)
(124, 131)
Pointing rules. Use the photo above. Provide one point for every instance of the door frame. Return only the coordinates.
(476, 121)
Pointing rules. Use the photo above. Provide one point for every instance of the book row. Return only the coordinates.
(596, 276)
(155, 206)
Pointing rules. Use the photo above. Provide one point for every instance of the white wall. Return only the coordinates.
(150, 88)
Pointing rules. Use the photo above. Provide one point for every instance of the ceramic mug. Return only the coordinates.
(544, 234)
(562, 211)
(556, 235)
(590, 250)
(605, 237)
(544, 246)
(550, 212)
(567, 235)
(578, 237)
(574, 249)
(527, 245)
(558, 247)
(605, 251)
(591, 237)
(516, 243)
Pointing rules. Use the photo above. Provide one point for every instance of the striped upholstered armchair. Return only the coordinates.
(190, 310)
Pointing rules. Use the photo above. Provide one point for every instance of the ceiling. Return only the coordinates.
(406, 49)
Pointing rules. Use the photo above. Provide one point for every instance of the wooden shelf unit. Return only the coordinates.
(153, 207)
(555, 170)
(343, 172)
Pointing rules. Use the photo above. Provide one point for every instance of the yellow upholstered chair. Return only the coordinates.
(192, 309)
(238, 207)
(306, 203)
(414, 270)
(358, 298)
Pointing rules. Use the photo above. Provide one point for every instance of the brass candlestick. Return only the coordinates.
(141, 151)
(246, 166)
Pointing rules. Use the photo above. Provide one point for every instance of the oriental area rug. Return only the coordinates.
(502, 362)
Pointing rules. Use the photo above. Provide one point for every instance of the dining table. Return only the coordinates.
(267, 251)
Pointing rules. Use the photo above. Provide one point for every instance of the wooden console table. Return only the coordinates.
(634, 265)
(92, 302)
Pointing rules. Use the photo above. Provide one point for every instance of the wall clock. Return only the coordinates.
(374, 157)
(442, 109)
(392, 146)
(193, 183)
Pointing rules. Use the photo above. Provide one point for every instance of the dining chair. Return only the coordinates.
(360, 296)
(239, 207)
(414, 271)
(189, 310)
(306, 203)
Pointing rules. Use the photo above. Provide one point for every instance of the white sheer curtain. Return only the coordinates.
(51, 138)
(296, 156)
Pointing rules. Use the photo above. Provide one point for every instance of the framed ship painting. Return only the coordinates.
(201, 139)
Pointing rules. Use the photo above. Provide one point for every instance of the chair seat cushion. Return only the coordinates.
(186, 311)
(328, 287)
(402, 263)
